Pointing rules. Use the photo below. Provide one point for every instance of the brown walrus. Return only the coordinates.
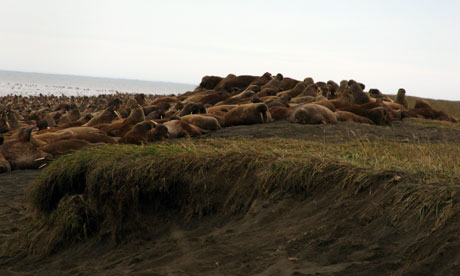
(313, 114)
(401, 98)
(247, 114)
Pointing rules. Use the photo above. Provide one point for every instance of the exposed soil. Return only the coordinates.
(408, 130)
(323, 234)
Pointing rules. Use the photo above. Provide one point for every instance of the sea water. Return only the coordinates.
(29, 84)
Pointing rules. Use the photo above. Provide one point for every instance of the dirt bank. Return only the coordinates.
(324, 233)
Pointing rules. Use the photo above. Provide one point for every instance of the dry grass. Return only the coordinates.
(116, 187)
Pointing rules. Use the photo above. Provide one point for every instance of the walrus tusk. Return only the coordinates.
(42, 166)
(118, 114)
(39, 159)
(155, 123)
(8, 124)
(261, 117)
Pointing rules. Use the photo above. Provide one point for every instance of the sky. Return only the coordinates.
(387, 44)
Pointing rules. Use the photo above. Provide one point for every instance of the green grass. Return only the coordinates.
(111, 190)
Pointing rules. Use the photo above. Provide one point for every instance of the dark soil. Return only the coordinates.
(408, 130)
(323, 234)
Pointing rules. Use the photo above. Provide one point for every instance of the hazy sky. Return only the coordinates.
(385, 44)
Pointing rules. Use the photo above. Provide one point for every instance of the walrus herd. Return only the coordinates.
(34, 129)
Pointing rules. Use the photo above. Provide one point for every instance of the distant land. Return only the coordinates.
(29, 83)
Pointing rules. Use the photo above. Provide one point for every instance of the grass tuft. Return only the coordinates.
(120, 188)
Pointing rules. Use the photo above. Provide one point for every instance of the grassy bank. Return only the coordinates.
(113, 191)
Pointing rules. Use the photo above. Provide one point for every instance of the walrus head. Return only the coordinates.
(308, 81)
(375, 93)
(262, 110)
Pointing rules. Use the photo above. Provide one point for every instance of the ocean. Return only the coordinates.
(29, 84)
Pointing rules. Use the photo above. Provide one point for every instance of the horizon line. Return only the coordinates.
(95, 77)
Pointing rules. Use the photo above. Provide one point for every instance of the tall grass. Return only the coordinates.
(117, 190)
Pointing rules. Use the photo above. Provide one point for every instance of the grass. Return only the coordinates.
(112, 189)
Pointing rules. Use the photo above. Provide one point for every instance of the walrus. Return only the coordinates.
(221, 109)
(345, 116)
(72, 116)
(253, 87)
(62, 107)
(4, 164)
(157, 107)
(219, 118)
(140, 99)
(308, 81)
(343, 99)
(288, 83)
(333, 89)
(424, 109)
(21, 153)
(178, 129)
(376, 94)
(239, 82)
(158, 133)
(280, 112)
(65, 146)
(376, 115)
(136, 116)
(68, 133)
(342, 87)
(195, 97)
(104, 117)
(192, 108)
(158, 114)
(302, 99)
(237, 98)
(419, 103)
(215, 97)
(401, 98)
(295, 91)
(138, 135)
(272, 101)
(265, 78)
(324, 91)
(247, 114)
(310, 90)
(274, 83)
(158, 100)
(313, 114)
(359, 96)
(43, 127)
(204, 122)
(210, 82)
(324, 103)
(266, 92)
